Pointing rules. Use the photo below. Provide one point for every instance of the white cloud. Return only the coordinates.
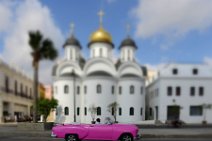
(207, 60)
(30, 15)
(5, 14)
(171, 17)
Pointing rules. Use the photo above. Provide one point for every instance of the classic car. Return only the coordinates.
(78, 132)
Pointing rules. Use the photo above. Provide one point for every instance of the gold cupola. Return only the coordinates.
(101, 35)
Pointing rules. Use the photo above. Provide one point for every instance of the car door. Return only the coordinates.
(100, 132)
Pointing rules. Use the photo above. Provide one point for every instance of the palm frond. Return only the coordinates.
(35, 39)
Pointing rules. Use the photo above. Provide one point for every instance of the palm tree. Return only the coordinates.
(41, 49)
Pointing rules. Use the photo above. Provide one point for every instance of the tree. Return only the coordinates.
(45, 106)
(93, 111)
(41, 49)
(112, 108)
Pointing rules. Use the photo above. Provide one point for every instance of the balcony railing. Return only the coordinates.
(9, 91)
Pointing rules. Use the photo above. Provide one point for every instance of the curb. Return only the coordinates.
(208, 136)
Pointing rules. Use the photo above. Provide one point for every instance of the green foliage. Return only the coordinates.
(45, 106)
(112, 108)
(93, 111)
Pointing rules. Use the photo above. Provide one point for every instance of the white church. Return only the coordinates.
(81, 85)
(179, 91)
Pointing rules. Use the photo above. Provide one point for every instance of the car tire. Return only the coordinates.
(126, 137)
(71, 137)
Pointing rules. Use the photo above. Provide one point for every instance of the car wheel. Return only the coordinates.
(71, 138)
(126, 137)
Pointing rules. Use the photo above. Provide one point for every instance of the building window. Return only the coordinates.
(142, 89)
(16, 87)
(78, 111)
(85, 89)
(21, 89)
(178, 91)
(78, 89)
(131, 111)
(201, 91)
(66, 89)
(7, 84)
(30, 92)
(98, 111)
(113, 90)
(131, 89)
(98, 89)
(141, 112)
(120, 89)
(85, 111)
(26, 89)
(192, 91)
(66, 111)
(195, 71)
(120, 111)
(169, 90)
(196, 110)
(175, 71)
(100, 52)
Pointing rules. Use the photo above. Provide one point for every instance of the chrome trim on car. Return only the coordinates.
(53, 135)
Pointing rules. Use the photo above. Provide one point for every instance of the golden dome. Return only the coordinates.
(101, 36)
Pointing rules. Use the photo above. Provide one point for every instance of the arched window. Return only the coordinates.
(120, 111)
(100, 52)
(85, 111)
(131, 89)
(78, 89)
(66, 111)
(16, 87)
(85, 89)
(141, 111)
(112, 89)
(131, 111)
(98, 111)
(120, 89)
(66, 89)
(98, 88)
(78, 111)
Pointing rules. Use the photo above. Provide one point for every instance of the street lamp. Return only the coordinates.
(74, 79)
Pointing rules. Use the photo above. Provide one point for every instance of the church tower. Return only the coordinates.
(72, 47)
(128, 48)
(101, 41)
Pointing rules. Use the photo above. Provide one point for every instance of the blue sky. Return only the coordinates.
(189, 48)
(165, 31)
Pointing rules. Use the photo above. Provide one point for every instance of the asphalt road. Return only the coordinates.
(52, 139)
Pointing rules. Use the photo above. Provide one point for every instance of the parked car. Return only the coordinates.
(78, 132)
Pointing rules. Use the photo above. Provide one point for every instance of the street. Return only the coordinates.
(19, 138)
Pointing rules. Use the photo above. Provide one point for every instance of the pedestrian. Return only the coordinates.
(98, 121)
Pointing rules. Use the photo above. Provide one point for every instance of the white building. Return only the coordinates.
(15, 94)
(181, 91)
(79, 83)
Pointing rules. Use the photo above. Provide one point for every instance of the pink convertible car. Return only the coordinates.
(77, 132)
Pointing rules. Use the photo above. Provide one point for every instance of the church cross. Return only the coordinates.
(72, 28)
(101, 14)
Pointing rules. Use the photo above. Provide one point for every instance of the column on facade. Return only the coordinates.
(82, 104)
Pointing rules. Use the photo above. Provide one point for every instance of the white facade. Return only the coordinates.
(97, 81)
(15, 94)
(187, 87)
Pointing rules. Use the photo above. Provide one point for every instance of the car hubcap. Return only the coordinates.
(127, 138)
(71, 138)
